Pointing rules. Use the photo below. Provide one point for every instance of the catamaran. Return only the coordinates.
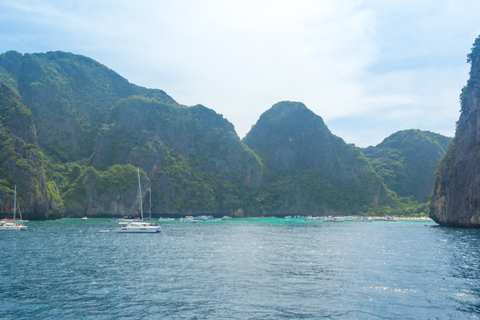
(138, 226)
(7, 225)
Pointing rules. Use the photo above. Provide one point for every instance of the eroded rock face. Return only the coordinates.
(407, 161)
(319, 173)
(456, 195)
(22, 162)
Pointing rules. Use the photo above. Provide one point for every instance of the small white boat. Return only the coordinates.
(84, 218)
(187, 219)
(201, 218)
(334, 219)
(130, 219)
(103, 231)
(310, 218)
(12, 225)
(390, 219)
(139, 226)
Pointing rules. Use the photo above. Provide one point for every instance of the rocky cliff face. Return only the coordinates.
(113, 192)
(308, 168)
(192, 155)
(69, 96)
(456, 196)
(21, 162)
(95, 128)
(195, 161)
(407, 160)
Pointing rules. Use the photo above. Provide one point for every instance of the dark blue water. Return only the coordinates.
(241, 269)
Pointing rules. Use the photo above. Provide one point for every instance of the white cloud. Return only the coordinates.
(344, 59)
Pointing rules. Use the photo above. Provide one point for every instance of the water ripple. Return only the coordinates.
(241, 269)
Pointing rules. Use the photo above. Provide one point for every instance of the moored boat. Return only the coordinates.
(310, 218)
(334, 219)
(13, 225)
(139, 226)
(187, 219)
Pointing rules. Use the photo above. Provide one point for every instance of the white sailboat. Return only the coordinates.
(139, 226)
(7, 225)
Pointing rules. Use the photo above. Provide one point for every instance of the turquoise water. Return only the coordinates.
(241, 269)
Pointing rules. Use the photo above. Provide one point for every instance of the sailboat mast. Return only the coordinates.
(15, 203)
(140, 190)
(150, 213)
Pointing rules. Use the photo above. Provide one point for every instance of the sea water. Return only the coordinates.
(241, 269)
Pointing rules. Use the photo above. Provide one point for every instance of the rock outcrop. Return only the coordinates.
(21, 163)
(113, 192)
(73, 132)
(194, 159)
(308, 169)
(406, 160)
(456, 195)
(70, 97)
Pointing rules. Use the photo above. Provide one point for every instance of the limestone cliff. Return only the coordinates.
(192, 155)
(308, 169)
(113, 192)
(406, 160)
(94, 128)
(456, 195)
(21, 162)
(69, 96)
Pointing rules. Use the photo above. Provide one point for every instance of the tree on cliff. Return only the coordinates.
(456, 196)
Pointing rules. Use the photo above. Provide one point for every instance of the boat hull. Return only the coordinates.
(137, 230)
(13, 228)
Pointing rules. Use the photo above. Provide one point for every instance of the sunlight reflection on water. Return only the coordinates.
(241, 268)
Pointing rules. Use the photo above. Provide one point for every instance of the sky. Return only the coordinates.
(369, 68)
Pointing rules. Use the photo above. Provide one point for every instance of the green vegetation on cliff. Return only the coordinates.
(309, 169)
(94, 128)
(407, 160)
(194, 158)
(456, 196)
(21, 161)
(70, 97)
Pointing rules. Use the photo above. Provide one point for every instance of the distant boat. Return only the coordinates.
(204, 218)
(7, 225)
(166, 219)
(84, 218)
(187, 219)
(130, 219)
(335, 219)
(386, 218)
(366, 219)
(138, 226)
(310, 218)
